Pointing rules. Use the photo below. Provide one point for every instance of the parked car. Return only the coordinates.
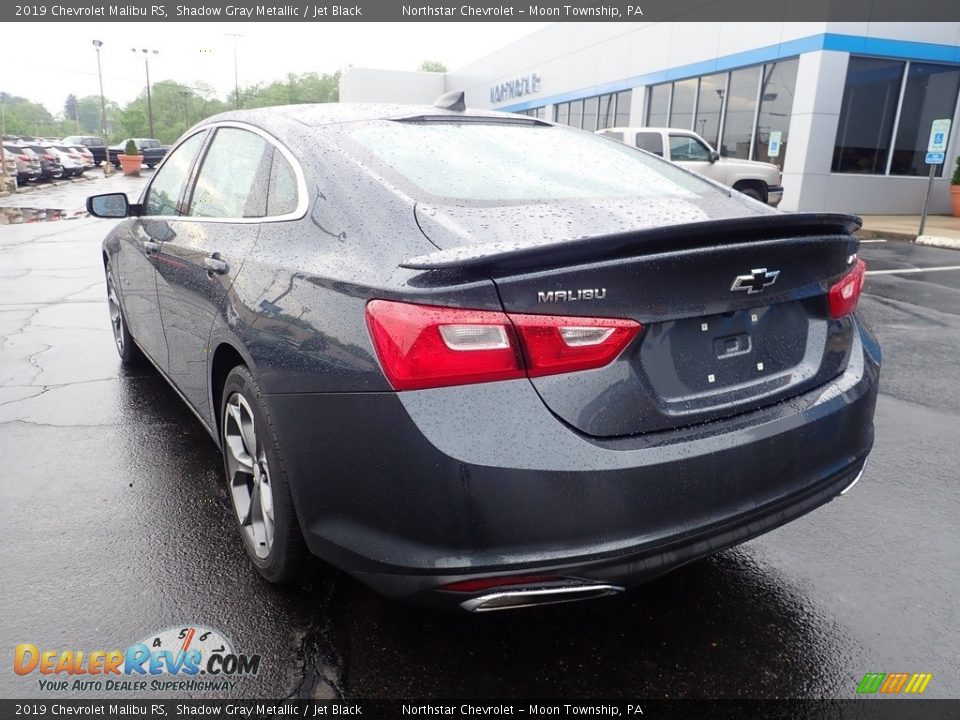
(96, 145)
(151, 149)
(480, 360)
(71, 159)
(28, 163)
(50, 166)
(759, 180)
(88, 159)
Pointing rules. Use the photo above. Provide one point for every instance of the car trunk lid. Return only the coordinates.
(733, 303)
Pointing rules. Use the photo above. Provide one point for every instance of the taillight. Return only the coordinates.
(423, 346)
(48, 158)
(845, 293)
(25, 158)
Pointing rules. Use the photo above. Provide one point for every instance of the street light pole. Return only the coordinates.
(236, 76)
(103, 103)
(146, 64)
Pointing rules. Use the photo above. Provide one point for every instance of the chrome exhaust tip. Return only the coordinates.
(520, 598)
(849, 487)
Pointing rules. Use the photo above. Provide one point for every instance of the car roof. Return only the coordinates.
(320, 114)
(648, 129)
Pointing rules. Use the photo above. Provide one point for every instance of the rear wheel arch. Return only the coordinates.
(225, 358)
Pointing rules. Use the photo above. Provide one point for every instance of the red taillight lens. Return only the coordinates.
(25, 158)
(48, 158)
(845, 293)
(554, 344)
(423, 346)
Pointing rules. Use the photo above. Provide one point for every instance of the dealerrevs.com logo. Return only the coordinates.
(189, 658)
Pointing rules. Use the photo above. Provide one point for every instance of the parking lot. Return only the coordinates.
(118, 525)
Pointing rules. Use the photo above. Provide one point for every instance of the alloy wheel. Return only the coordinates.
(116, 315)
(248, 475)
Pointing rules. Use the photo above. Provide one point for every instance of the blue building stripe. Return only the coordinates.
(899, 49)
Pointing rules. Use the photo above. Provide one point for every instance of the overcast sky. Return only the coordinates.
(58, 58)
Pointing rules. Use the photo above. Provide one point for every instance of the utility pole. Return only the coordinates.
(236, 76)
(103, 103)
(146, 64)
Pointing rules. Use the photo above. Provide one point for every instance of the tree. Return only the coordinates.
(71, 108)
(432, 66)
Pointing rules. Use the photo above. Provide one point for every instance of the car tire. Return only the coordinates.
(151, 165)
(256, 483)
(752, 191)
(130, 354)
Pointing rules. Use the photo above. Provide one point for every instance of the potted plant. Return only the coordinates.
(130, 159)
(955, 190)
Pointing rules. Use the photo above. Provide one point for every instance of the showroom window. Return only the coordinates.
(776, 100)
(596, 113)
(930, 94)
(710, 106)
(735, 112)
(883, 99)
(867, 114)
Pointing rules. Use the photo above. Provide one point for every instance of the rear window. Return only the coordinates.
(504, 162)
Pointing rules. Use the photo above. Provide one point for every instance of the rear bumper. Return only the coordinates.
(410, 491)
(774, 195)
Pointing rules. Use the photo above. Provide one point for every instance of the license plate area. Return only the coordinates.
(757, 347)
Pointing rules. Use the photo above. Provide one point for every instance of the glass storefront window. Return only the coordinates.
(681, 109)
(709, 105)
(658, 105)
(740, 112)
(776, 103)
(605, 119)
(563, 113)
(590, 114)
(930, 94)
(866, 115)
(623, 108)
(576, 114)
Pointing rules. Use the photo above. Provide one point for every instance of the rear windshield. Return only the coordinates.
(507, 162)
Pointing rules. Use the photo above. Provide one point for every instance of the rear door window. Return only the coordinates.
(234, 177)
(651, 142)
(282, 197)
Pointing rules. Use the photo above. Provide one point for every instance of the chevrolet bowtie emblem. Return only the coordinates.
(756, 281)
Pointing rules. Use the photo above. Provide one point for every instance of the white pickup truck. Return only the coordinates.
(761, 181)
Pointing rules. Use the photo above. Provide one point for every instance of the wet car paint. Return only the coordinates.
(866, 583)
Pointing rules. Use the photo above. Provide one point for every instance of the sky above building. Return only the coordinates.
(58, 58)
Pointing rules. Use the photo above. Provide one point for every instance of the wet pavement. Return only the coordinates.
(118, 525)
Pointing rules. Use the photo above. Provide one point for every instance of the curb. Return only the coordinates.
(940, 242)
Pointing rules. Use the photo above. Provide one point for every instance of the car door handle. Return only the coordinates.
(150, 247)
(215, 264)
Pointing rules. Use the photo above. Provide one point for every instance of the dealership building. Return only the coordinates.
(850, 103)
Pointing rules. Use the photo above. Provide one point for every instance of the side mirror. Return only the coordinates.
(714, 156)
(110, 205)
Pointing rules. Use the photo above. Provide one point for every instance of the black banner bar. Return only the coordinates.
(113, 709)
(480, 10)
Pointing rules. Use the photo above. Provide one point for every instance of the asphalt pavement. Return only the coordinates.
(118, 525)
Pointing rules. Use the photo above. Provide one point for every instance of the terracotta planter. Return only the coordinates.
(130, 164)
(955, 199)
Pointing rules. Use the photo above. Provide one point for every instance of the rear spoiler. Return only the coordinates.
(671, 238)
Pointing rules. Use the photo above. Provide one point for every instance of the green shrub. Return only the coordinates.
(131, 148)
(955, 180)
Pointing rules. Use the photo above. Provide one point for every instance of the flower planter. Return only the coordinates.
(955, 199)
(130, 164)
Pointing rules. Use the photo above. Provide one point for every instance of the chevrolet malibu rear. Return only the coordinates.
(488, 362)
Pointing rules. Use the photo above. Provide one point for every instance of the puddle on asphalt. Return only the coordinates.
(20, 216)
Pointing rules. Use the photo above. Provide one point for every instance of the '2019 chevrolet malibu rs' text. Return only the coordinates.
(478, 359)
